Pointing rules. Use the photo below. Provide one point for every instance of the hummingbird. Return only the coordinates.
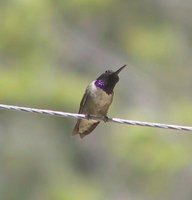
(96, 101)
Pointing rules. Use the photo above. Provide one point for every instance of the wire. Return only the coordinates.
(99, 118)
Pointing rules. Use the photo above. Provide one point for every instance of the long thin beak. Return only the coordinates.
(118, 71)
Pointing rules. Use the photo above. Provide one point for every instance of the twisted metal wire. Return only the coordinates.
(99, 118)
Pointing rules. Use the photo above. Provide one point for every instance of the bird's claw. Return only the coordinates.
(88, 116)
(105, 119)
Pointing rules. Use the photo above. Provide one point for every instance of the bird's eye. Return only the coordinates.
(107, 71)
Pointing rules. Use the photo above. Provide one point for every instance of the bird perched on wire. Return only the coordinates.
(96, 101)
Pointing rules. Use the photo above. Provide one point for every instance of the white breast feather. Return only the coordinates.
(103, 99)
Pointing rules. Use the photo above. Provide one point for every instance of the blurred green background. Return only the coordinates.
(49, 52)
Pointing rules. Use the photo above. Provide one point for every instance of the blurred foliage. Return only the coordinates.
(49, 52)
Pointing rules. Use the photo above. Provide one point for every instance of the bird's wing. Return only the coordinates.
(83, 101)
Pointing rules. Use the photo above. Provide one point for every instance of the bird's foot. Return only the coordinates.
(88, 116)
(105, 118)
